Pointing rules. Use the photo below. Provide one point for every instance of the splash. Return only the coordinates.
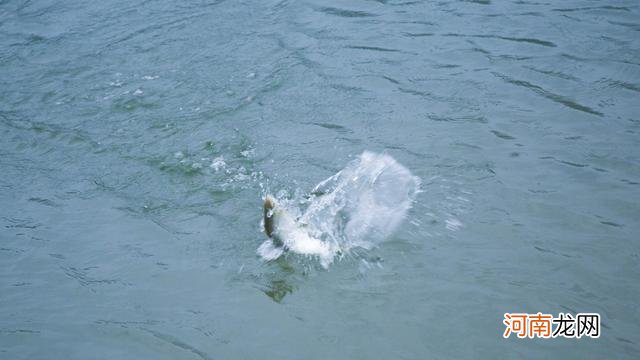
(359, 206)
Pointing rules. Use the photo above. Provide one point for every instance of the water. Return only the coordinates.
(358, 207)
(137, 141)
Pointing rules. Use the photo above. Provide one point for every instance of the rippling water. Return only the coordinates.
(136, 142)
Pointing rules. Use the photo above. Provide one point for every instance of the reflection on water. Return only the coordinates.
(278, 289)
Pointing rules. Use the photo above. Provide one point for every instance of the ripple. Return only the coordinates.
(606, 7)
(624, 85)
(516, 39)
(177, 343)
(371, 48)
(20, 331)
(345, 13)
(45, 202)
(502, 135)
(633, 26)
(389, 78)
(418, 34)
(507, 38)
(549, 95)
(82, 276)
(553, 73)
(469, 118)
(352, 90)
(571, 163)
(336, 127)
(549, 251)
(566, 162)
(611, 223)
(415, 92)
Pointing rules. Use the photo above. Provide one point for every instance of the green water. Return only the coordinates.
(137, 141)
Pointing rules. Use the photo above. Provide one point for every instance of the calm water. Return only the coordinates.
(136, 142)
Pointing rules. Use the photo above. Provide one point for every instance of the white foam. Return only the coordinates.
(359, 206)
(218, 163)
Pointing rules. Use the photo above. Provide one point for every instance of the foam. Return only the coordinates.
(359, 206)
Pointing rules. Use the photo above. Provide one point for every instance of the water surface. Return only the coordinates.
(137, 139)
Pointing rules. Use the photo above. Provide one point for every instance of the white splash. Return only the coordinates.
(218, 163)
(359, 206)
(453, 224)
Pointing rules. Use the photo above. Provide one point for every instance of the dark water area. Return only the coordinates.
(138, 139)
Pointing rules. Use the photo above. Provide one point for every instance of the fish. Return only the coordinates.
(269, 209)
(359, 206)
(289, 234)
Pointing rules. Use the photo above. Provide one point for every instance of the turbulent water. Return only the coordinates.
(359, 206)
(138, 139)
